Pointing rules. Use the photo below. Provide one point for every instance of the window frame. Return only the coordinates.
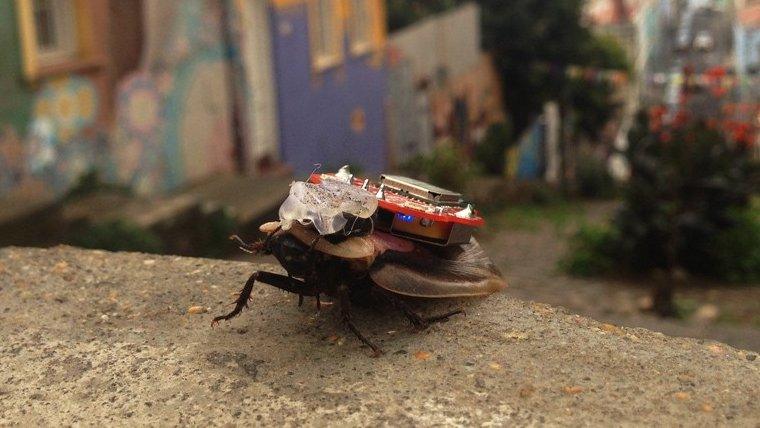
(365, 45)
(78, 55)
(63, 20)
(323, 59)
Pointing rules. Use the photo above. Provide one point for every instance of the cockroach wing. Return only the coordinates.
(350, 248)
(323, 205)
(438, 272)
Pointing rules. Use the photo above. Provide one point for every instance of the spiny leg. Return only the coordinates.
(345, 304)
(416, 319)
(282, 282)
(311, 248)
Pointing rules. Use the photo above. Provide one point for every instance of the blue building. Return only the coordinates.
(331, 82)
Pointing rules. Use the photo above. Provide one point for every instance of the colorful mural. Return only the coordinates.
(15, 105)
(12, 164)
(167, 120)
(137, 152)
(173, 115)
(60, 142)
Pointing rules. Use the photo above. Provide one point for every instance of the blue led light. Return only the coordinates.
(406, 218)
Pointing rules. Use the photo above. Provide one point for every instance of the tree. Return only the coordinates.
(402, 13)
(594, 101)
(533, 42)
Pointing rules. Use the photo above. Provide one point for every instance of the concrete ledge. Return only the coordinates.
(90, 337)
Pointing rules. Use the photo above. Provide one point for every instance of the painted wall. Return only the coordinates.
(173, 115)
(440, 80)
(168, 125)
(258, 89)
(15, 102)
(316, 110)
(51, 130)
(444, 45)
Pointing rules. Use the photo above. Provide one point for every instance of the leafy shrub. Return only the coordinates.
(91, 182)
(446, 166)
(593, 178)
(540, 193)
(686, 207)
(490, 154)
(736, 252)
(593, 251)
(118, 236)
(214, 238)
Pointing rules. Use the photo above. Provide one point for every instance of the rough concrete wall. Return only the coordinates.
(316, 110)
(93, 338)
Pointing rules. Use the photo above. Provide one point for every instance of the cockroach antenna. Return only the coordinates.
(317, 166)
(248, 248)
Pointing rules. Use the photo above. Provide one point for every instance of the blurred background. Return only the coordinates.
(612, 145)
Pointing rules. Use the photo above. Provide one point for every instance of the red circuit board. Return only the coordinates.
(398, 203)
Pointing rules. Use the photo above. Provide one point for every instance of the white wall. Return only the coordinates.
(449, 40)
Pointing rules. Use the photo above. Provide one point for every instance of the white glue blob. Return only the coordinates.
(323, 205)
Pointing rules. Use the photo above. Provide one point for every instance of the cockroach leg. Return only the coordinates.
(314, 266)
(345, 305)
(282, 282)
(445, 316)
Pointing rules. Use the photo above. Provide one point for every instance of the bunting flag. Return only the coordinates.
(588, 74)
(706, 79)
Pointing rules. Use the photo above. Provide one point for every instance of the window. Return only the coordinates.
(326, 31)
(57, 36)
(361, 25)
(54, 30)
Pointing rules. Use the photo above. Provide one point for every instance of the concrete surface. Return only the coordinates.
(90, 337)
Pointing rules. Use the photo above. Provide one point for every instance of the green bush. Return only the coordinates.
(118, 236)
(446, 166)
(593, 178)
(736, 252)
(490, 154)
(91, 182)
(686, 207)
(215, 235)
(593, 251)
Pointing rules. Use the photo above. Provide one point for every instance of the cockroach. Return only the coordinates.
(329, 241)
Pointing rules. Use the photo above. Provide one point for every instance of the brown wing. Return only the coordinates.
(351, 248)
(458, 271)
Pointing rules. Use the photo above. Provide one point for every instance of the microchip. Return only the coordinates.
(420, 190)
